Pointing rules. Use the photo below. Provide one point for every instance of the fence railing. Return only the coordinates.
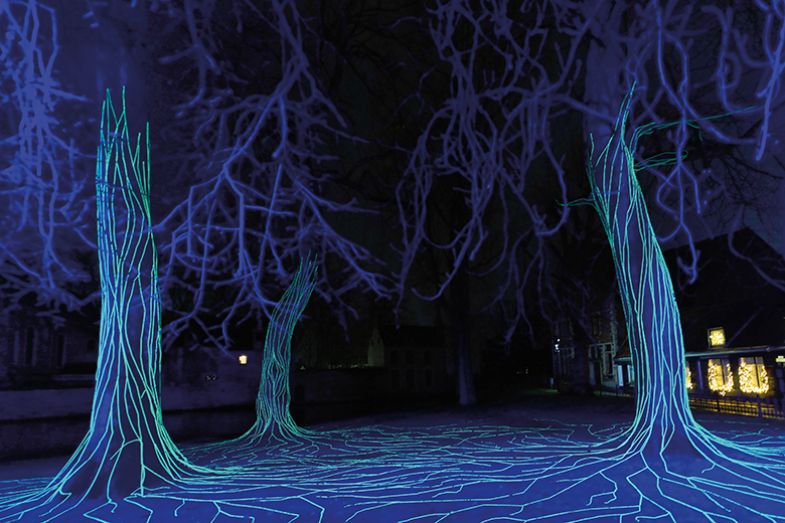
(762, 407)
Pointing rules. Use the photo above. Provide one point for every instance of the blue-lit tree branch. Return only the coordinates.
(482, 145)
(692, 64)
(46, 216)
(265, 190)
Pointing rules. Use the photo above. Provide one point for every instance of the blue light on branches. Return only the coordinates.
(261, 194)
(45, 215)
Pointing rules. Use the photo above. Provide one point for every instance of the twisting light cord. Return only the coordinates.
(273, 417)
(127, 448)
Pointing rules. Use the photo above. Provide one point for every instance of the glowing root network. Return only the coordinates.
(478, 470)
(444, 467)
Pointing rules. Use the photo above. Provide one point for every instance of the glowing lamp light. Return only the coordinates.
(242, 359)
(753, 378)
(717, 337)
(780, 359)
(720, 377)
(690, 386)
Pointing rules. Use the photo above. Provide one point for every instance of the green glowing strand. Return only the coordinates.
(646, 290)
(126, 447)
(273, 417)
(126, 450)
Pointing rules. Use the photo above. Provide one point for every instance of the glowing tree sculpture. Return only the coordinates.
(663, 417)
(662, 55)
(127, 446)
(126, 449)
(266, 191)
(273, 417)
(664, 464)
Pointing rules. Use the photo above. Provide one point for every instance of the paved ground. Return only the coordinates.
(526, 459)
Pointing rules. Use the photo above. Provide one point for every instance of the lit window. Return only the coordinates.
(690, 386)
(242, 359)
(720, 377)
(753, 378)
(717, 337)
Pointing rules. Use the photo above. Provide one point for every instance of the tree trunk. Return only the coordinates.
(663, 419)
(273, 415)
(460, 328)
(127, 448)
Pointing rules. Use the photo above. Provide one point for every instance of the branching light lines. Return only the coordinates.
(664, 465)
(126, 449)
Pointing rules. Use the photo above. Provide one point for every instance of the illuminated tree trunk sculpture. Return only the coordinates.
(273, 417)
(663, 420)
(126, 448)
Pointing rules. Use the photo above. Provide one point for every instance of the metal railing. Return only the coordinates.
(761, 407)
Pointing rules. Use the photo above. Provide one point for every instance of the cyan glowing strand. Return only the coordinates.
(126, 448)
(440, 467)
(432, 468)
(273, 417)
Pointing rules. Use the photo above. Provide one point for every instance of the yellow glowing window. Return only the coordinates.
(242, 359)
(717, 337)
(753, 378)
(720, 377)
(689, 378)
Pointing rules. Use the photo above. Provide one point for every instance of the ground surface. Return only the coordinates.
(521, 461)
